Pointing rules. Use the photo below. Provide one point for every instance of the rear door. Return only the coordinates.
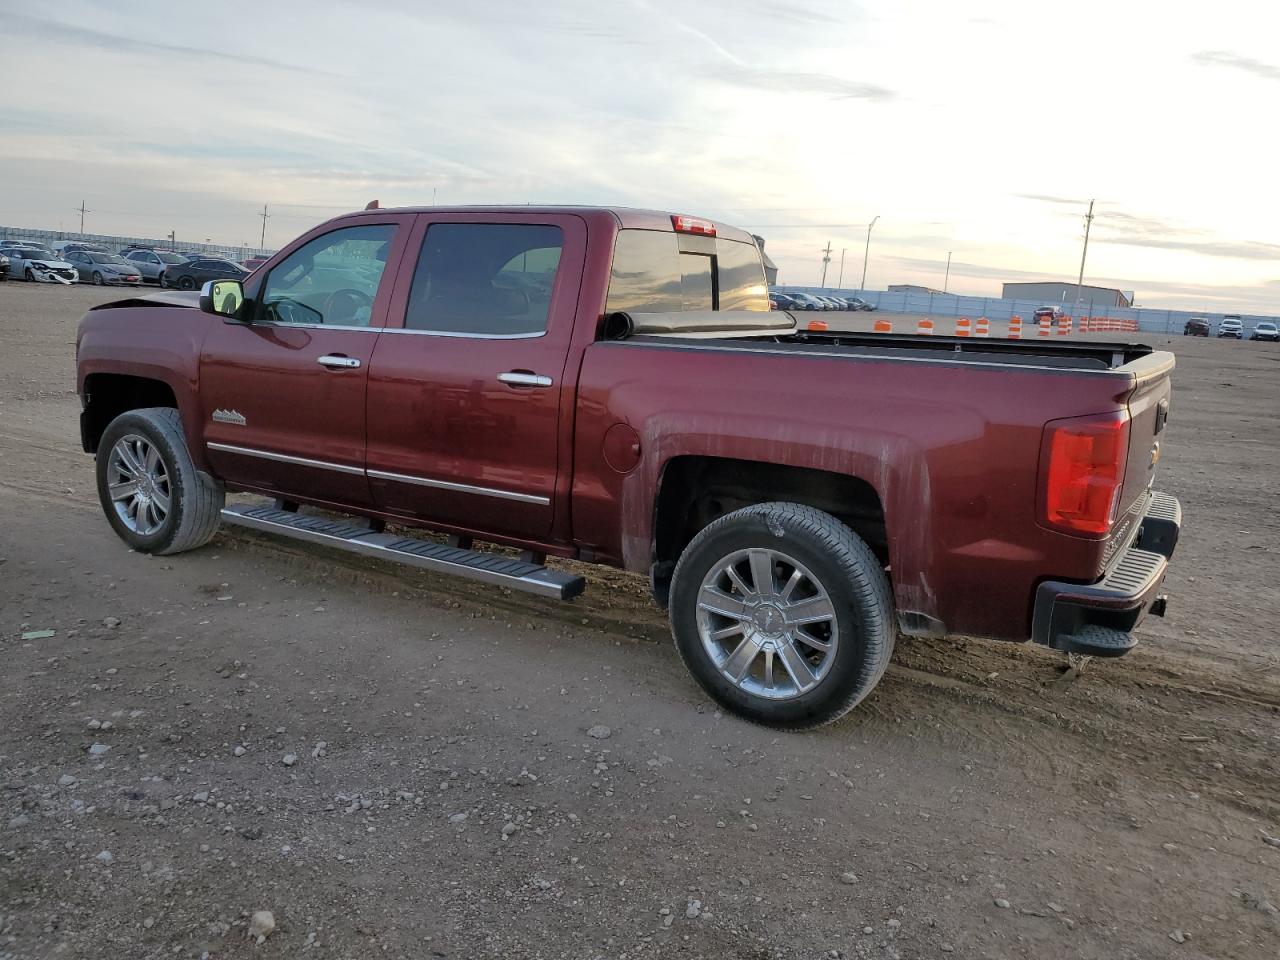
(283, 396)
(468, 381)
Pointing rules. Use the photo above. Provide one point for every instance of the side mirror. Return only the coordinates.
(222, 297)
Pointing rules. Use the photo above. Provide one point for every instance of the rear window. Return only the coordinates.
(653, 274)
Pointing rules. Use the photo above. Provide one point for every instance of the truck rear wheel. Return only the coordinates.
(154, 497)
(783, 615)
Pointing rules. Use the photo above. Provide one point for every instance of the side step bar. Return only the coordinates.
(356, 536)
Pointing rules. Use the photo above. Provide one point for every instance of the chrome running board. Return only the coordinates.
(357, 537)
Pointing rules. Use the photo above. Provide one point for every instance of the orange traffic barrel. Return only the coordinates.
(925, 327)
(883, 326)
(984, 327)
(1015, 327)
(962, 326)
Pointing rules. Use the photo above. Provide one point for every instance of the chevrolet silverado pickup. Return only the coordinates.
(610, 386)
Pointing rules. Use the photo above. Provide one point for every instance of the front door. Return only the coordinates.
(467, 382)
(283, 388)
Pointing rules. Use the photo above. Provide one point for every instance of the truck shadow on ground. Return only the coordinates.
(1191, 723)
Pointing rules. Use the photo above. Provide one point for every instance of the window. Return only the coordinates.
(333, 279)
(646, 273)
(485, 279)
(656, 272)
(697, 288)
(742, 285)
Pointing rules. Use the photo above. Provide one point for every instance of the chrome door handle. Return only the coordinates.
(338, 362)
(517, 379)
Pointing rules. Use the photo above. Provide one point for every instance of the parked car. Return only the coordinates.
(39, 265)
(104, 268)
(4, 267)
(1049, 312)
(769, 543)
(153, 264)
(857, 303)
(1231, 327)
(1266, 330)
(840, 302)
(71, 246)
(785, 301)
(195, 273)
(1196, 327)
(806, 301)
(253, 263)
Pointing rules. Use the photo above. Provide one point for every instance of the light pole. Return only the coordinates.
(840, 282)
(1088, 222)
(826, 259)
(865, 251)
(947, 276)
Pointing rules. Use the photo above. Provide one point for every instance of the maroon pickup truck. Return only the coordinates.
(609, 386)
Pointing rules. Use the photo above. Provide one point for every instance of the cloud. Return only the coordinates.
(960, 268)
(1231, 249)
(1046, 198)
(797, 81)
(1233, 61)
(1124, 229)
(732, 69)
(43, 28)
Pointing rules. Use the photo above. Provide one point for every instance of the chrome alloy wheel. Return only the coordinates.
(138, 482)
(767, 623)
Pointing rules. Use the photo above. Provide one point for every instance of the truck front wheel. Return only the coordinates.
(154, 497)
(783, 615)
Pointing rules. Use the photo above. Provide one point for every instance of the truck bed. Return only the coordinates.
(1074, 355)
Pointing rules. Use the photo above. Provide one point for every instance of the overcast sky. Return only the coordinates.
(980, 127)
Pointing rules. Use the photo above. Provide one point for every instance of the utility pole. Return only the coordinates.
(826, 258)
(865, 251)
(173, 240)
(947, 277)
(840, 282)
(1088, 222)
(83, 211)
(262, 244)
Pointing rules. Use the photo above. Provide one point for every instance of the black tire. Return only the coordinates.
(848, 571)
(186, 283)
(163, 281)
(195, 498)
(97, 279)
(30, 275)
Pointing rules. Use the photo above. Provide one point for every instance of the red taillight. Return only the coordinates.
(1084, 472)
(684, 224)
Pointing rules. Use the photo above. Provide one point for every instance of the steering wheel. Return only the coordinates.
(354, 300)
(288, 310)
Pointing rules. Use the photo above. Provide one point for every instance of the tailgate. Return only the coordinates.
(1148, 404)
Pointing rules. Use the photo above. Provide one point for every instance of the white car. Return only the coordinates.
(39, 265)
(1266, 331)
(1231, 326)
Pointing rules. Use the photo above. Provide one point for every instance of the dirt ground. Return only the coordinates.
(398, 764)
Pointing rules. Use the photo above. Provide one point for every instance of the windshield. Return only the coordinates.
(171, 258)
(32, 253)
(105, 258)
